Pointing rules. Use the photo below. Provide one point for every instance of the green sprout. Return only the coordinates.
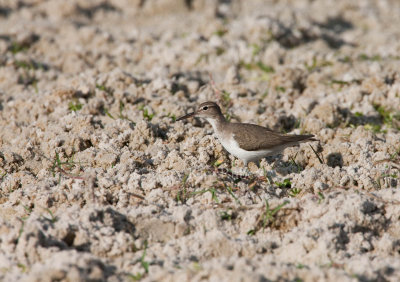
(226, 96)
(293, 162)
(220, 51)
(251, 232)
(182, 195)
(280, 89)
(285, 184)
(264, 67)
(28, 65)
(18, 47)
(256, 49)
(387, 117)
(74, 106)
(226, 215)
(145, 265)
(229, 189)
(106, 111)
(340, 82)
(294, 192)
(259, 65)
(269, 215)
(52, 217)
(317, 64)
(376, 128)
(146, 113)
(321, 197)
(221, 32)
(59, 166)
(172, 116)
(3, 175)
(266, 176)
(365, 57)
(218, 162)
(213, 192)
(22, 267)
(104, 88)
(121, 115)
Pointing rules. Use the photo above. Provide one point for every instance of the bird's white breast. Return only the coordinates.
(230, 144)
(233, 147)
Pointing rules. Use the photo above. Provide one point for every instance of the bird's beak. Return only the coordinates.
(186, 116)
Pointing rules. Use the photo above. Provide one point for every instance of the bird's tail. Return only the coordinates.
(306, 137)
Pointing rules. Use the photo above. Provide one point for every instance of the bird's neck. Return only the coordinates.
(217, 123)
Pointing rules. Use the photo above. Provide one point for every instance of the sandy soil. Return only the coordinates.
(98, 181)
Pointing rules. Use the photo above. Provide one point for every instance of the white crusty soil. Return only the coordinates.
(98, 181)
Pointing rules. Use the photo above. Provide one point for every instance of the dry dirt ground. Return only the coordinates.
(98, 181)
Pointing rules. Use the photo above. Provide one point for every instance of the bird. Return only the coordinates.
(248, 142)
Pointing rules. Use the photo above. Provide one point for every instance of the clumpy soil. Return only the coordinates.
(98, 181)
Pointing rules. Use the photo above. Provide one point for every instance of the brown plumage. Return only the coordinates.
(246, 141)
(254, 137)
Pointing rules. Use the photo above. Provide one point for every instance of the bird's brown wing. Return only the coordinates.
(251, 137)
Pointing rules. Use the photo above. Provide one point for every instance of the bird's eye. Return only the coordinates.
(205, 108)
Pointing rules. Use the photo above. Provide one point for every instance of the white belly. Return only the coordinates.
(233, 147)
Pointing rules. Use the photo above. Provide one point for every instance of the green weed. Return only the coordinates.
(146, 113)
(294, 192)
(266, 176)
(256, 49)
(259, 65)
(229, 189)
(294, 163)
(3, 175)
(52, 217)
(106, 89)
(265, 68)
(22, 267)
(376, 128)
(143, 263)
(388, 117)
(221, 32)
(219, 51)
(280, 89)
(60, 168)
(226, 96)
(172, 116)
(121, 115)
(365, 57)
(285, 184)
(269, 215)
(28, 65)
(251, 232)
(213, 192)
(182, 194)
(340, 82)
(227, 215)
(18, 47)
(74, 106)
(300, 266)
(317, 64)
(321, 197)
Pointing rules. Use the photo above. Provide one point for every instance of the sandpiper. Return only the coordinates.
(248, 142)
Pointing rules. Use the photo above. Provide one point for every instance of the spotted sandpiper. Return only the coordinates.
(248, 142)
